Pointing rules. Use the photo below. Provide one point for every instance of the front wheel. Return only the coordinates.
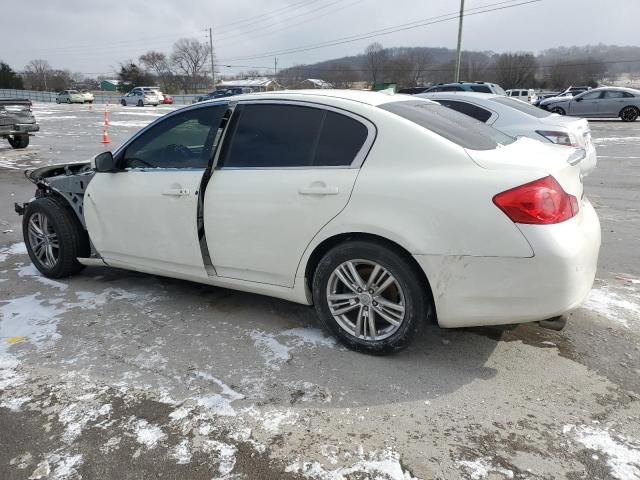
(123, 103)
(558, 110)
(54, 237)
(629, 114)
(140, 103)
(370, 297)
(19, 141)
(69, 101)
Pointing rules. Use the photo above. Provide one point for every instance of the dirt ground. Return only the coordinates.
(118, 375)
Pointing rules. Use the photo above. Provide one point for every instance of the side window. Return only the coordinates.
(628, 95)
(474, 111)
(341, 139)
(485, 89)
(184, 140)
(591, 96)
(281, 136)
(451, 88)
(617, 94)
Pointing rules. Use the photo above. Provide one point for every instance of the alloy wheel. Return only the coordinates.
(629, 114)
(43, 240)
(366, 300)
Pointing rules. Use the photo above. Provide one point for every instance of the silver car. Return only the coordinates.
(604, 102)
(70, 96)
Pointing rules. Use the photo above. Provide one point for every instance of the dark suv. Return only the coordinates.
(17, 121)
(478, 87)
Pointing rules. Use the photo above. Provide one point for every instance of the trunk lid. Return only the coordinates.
(578, 126)
(539, 158)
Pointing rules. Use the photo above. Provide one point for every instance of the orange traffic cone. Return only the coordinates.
(105, 137)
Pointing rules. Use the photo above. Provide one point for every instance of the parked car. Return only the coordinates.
(543, 96)
(70, 96)
(141, 96)
(603, 102)
(87, 96)
(17, 121)
(167, 99)
(553, 98)
(517, 118)
(479, 87)
(526, 95)
(383, 211)
(412, 90)
(221, 93)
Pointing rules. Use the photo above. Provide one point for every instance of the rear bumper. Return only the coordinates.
(19, 129)
(590, 161)
(475, 291)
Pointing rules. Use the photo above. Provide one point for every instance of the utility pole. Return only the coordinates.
(459, 41)
(213, 68)
(275, 66)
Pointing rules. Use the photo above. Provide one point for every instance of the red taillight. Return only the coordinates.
(542, 202)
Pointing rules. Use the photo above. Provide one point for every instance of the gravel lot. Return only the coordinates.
(118, 375)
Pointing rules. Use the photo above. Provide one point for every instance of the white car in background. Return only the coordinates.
(141, 96)
(382, 211)
(87, 96)
(526, 95)
(519, 119)
(70, 96)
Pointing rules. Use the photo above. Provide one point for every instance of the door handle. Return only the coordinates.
(176, 192)
(318, 190)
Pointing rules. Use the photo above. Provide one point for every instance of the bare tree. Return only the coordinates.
(516, 70)
(376, 60)
(190, 57)
(36, 73)
(158, 63)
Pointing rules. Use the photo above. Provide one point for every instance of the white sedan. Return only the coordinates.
(518, 119)
(382, 211)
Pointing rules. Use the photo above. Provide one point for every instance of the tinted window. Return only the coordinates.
(271, 136)
(484, 89)
(455, 127)
(341, 139)
(474, 111)
(617, 94)
(451, 88)
(591, 96)
(184, 140)
(521, 106)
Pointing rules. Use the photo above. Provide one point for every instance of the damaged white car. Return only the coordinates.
(384, 212)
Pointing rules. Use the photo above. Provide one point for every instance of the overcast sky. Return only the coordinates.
(93, 37)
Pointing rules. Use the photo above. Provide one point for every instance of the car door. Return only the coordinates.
(586, 105)
(613, 102)
(145, 215)
(285, 170)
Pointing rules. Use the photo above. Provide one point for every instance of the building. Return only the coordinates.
(109, 85)
(256, 84)
(312, 83)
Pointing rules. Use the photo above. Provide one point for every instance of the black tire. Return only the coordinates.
(73, 241)
(69, 101)
(629, 114)
(123, 103)
(19, 141)
(140, 103)
(558, 110)
(416, 296)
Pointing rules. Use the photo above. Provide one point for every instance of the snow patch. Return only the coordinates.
(623, 453)
(480, 468)
(219, 403)
(621, 305)
(31, 271)
(182, 453)
(15, 249)
(276, 353)
(146, 433)
(225, 455)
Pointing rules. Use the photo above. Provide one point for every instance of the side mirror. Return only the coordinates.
(578, 99)
(104, 163)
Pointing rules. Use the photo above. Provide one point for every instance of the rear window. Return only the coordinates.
(498, 90)
(521, 106)
(481, 89)
(455, 127)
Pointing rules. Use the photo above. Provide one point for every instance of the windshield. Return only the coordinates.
(73, 91)
(521, 106)
(455, 127)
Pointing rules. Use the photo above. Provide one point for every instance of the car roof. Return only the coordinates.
(361, 96)
(461, 94)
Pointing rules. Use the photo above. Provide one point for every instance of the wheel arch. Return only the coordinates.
(319, 250)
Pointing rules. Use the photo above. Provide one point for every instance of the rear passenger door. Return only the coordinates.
(284, 171)
(613, 102)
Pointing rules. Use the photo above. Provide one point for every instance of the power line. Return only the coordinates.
(383, 32)
(261, 17)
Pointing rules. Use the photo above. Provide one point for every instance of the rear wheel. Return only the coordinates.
(629, 114)
(370, 297)
(54, 237)
(123, 103)
(140, 103)
(558, 110)
(69, 101)
(19, 141)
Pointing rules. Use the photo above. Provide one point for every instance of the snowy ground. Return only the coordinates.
(118, 375)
